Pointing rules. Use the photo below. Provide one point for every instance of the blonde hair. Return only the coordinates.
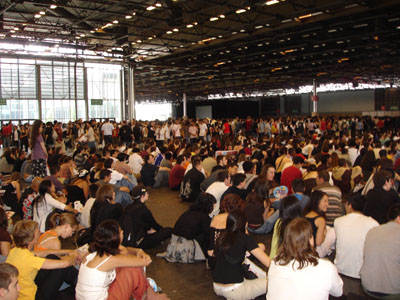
(62, 219)
(24, 233)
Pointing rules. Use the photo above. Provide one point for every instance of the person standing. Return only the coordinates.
(107, 130)
(39, 152)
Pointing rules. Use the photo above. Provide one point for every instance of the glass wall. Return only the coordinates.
(62, 90)
(104, 82)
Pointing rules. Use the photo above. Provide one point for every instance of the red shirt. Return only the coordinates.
(288, 175)
(176, 176)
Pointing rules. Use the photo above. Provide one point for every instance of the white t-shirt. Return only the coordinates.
(85, 215)
(203, 129)
(44, 208)
(216, 189)
(107, 128)
(351, 231)
(115, 176)
(135, 162)
(176, 128)
(309, 283)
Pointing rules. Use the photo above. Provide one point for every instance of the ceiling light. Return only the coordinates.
(234, 32)
(115, 21)
(239, 11)
(12, 31)
(305, 16)
(53, 6)
(169, 32)
(133, 43)
(133, 14)
(287, 20)
(151, 7)
(212, 19)
(78, 37)
(189, 25)
(175, 29)
(37, 16)
(258, 27)
(139, 41)
(128, 17)
(150, 38)
(242, 30)
(271, 2)
(16, 28)
(222, 16)
(195, 23)
(220, 36)
(158, 4)
(92, 31)
(82, 35)
(42, 12)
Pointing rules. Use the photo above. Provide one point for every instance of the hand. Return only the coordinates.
(150, 231)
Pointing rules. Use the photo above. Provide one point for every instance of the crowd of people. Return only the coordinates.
(323, 186)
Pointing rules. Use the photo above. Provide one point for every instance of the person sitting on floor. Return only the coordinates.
(112, 271)
(351, 231)
(230, 250)
(39, 278)
(141, 230)
(190, 236)
(9, 286)
(297, 272)
(380, 272)
(315, 211)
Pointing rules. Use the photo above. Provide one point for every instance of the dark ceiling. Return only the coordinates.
(205, 47)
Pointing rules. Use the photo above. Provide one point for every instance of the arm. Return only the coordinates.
(64, 262)
(5, 248)
(261, 256)
(320, 236)
(43, 148)
(58, 252)
(127, 260)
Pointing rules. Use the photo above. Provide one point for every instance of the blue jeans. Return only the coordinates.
(123, 198)
(268, 225)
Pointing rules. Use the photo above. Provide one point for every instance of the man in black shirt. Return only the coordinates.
(238, 186)
(381, 197)
(190, 187)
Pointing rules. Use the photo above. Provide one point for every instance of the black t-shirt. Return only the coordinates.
(228, 266)
(148, 173)
(193, 224)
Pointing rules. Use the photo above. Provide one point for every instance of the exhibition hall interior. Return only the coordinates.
(199, 149)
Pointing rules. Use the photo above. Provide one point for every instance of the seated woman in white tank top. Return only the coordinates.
(111, 271)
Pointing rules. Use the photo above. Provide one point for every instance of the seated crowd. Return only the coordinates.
(327, 189)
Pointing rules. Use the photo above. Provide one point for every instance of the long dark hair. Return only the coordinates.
(204, 203)
(44, 188)
(104, 196)
(296, 245)
(313, 203)
(106, 238)
(35, 132)
(290, 209)
(235, 223)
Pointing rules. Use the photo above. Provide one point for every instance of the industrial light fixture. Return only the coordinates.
(53, 6)
(42, 12)
(151, 7)
(115, 21)
(37, 16)
(158, 4)
(189, 25)
(271, 2)
(240, 11)
(128, 17)
(222, 16)
(212, 19)
(175, 29)
(169, 32)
